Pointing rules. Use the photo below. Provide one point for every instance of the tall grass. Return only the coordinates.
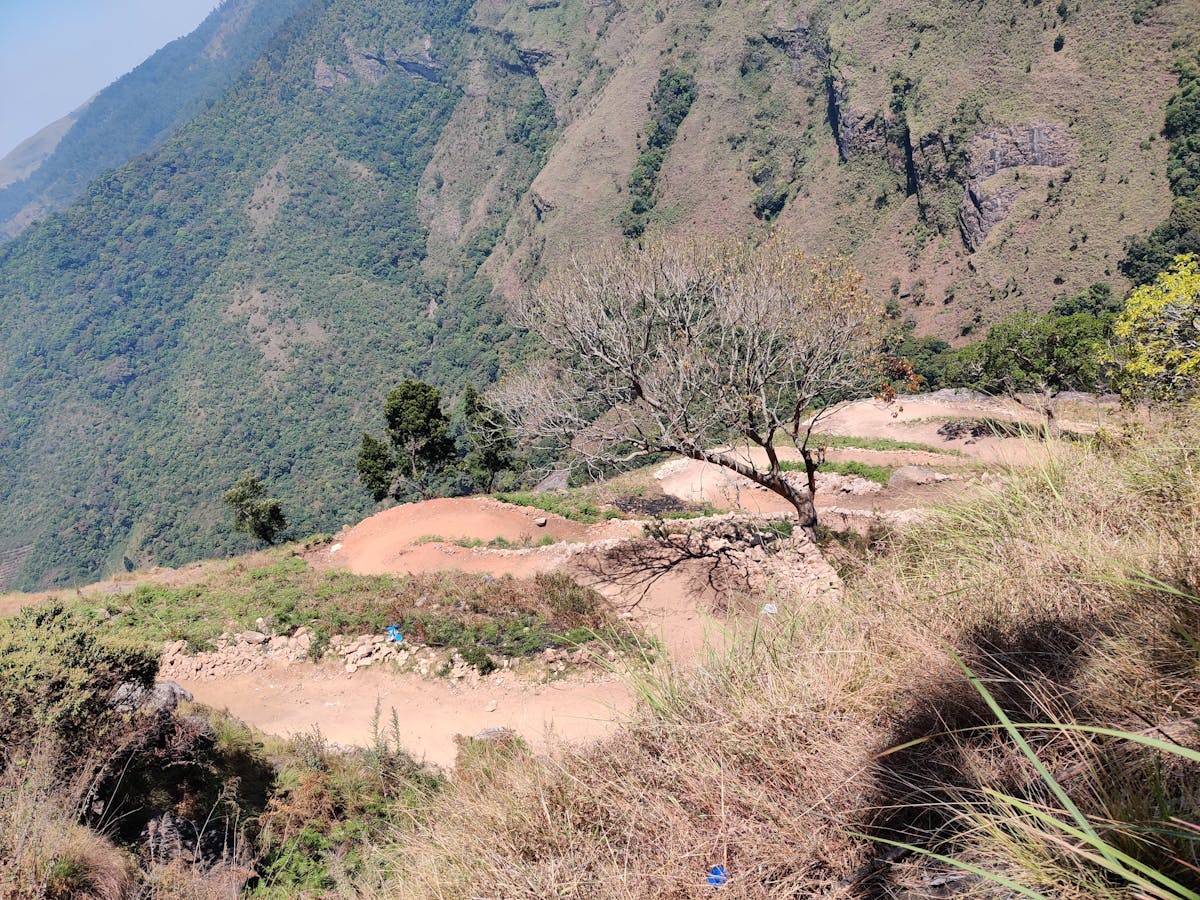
(44, 851)
(1007, 694)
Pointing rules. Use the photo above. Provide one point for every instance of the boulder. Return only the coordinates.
(163, 696)
(915, 476)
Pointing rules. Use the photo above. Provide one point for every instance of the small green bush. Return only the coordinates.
(479, 659)
(568, 600)
(58, 672)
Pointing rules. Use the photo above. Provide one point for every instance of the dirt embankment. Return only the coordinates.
(684, 588)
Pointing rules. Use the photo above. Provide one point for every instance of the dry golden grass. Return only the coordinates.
(44, 851)
(186, 881)
(793, 755)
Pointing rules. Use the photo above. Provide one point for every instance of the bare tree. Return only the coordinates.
(697, 349)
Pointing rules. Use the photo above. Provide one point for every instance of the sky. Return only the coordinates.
(55, 54)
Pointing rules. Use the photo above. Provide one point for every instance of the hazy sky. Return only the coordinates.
(55, 54)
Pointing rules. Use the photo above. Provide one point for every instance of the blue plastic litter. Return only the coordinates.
(393, 633)
(717, 876)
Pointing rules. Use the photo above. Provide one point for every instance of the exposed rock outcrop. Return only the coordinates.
(982, 210)
(326, 77)
(1035, 144)
(985, 206)
(374, 67)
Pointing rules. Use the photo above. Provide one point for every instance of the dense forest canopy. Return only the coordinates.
(140, 110)
(237, 300)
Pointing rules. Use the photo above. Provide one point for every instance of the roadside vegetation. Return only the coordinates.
(472, 613)
(570, 505)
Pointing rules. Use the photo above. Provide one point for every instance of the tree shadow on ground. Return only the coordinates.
(718, 562)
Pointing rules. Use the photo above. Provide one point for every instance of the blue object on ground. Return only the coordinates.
(393, 633)
(717, 876)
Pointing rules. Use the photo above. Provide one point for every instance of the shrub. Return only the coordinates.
(58, 672)
(570, 602)
(670, 103)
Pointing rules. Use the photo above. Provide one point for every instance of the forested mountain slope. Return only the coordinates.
(355, 209)
(137, 111)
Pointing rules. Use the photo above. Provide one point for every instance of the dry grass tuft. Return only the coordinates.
(44, 852)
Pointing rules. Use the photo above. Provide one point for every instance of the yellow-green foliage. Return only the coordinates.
(1158, 334)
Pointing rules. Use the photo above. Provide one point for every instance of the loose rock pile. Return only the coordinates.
(737, 555)
(834, 483)
(251, 651)
(360, 652)
(246, 651)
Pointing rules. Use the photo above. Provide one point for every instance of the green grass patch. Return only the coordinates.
(845, 442)
(577, 509)
(470, 612)
(880, 474)
(496, 543)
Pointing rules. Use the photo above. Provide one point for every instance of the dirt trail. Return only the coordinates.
(291, 699)
(918, 419)
(586, 705)
(295, 699)
(396, 541)
(672, 605)
(911, 419)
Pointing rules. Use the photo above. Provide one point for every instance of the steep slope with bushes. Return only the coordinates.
(355, 209)
(234, 301)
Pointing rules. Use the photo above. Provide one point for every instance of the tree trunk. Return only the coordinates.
(806, 509)
(1051, 429)
(774, 481)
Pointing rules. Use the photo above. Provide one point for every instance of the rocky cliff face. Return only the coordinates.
(984, 205)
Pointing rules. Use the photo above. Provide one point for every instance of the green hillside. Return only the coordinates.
(239, 299)
(139, 110)
(355, 209)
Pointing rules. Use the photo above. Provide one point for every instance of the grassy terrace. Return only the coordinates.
(844, 442)
(575, 505)
(499, 615)
(880, 474)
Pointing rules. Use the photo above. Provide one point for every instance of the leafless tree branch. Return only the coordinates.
(694, 349)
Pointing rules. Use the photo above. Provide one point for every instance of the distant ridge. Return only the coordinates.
(136, 113)
(24, 159)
